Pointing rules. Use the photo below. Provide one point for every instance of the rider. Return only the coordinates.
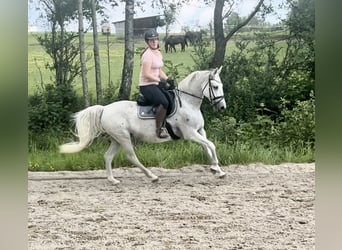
(152, 79)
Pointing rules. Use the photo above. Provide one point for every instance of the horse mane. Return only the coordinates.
(191, 78)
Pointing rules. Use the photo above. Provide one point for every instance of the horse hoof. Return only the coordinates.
(155, 179)
(222, 175)
(113, 181)
(213, 171)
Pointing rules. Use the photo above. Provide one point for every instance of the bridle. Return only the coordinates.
(214, 100)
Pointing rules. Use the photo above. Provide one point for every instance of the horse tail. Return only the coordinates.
(87, 127)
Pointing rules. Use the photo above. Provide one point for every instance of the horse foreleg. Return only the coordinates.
(208, 146)
(109, 156)
(128, 148)
(206, 149)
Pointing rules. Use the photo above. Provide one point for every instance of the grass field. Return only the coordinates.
(37, 59)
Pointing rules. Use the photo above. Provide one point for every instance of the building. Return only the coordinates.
(140, 25)
(105, 29)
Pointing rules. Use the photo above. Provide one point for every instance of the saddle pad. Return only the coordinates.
(146, 112)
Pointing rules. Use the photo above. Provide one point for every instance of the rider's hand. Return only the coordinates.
(163, 84)
(170, 83)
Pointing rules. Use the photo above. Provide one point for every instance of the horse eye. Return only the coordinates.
(215, 87)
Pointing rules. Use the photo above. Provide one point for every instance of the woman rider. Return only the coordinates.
(151, 74)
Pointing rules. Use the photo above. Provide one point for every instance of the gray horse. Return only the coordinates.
(120, 121)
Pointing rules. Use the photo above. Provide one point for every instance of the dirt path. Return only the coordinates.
(254, 207)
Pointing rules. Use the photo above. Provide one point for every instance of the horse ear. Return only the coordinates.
(217, 70)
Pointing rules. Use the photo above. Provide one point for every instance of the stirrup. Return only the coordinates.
(162, 133)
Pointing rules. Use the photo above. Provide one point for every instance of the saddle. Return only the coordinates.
(147, 111)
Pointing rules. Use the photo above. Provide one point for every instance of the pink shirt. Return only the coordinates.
(154, 57)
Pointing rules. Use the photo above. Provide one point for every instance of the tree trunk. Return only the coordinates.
(220, 39)
(220, 42)
(82, 54)
(108, 61)
(127, 71)
(96, 54)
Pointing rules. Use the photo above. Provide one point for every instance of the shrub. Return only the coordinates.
(50, 108)
(298, 124)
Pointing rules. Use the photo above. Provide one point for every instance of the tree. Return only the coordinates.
(170, 12)
(59, 44)
(51, 107)
(127, 70)
(82, 54)
(300, 51)
(221, 39)
(96, 53)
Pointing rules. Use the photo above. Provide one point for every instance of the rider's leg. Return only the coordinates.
(160, 118)
(155, 95)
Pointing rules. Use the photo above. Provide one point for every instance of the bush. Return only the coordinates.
(298, 124)
(50, 108)
(224, 129)
(110, 93)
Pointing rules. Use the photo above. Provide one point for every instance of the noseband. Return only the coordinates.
(214, 100)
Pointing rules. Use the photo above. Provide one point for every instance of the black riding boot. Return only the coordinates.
(160, 118)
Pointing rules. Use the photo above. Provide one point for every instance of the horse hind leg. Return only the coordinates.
(128, 148)
(109, 156)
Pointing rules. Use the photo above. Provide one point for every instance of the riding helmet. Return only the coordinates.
(150, 34)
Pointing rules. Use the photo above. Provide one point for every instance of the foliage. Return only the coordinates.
(170, 12)
(202, 55)
(269, 94)
(301, 43)
(110, 93)
(294, 127)
(297, 125)
(64, 52)
(50, 108)
(172, 69)
(65, 11)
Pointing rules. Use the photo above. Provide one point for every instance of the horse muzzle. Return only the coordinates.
(220, 105)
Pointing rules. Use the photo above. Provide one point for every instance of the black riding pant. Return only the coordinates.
(154, 95)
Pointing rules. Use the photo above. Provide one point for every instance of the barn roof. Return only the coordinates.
(151, 21)
(141, 24)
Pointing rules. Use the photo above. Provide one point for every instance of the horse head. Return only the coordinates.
(205, 84)
(213, 90)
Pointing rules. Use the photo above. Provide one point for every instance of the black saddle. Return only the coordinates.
(147, 111)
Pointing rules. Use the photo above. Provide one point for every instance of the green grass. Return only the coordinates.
(167, 155)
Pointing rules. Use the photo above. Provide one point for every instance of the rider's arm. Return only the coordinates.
(162, 75)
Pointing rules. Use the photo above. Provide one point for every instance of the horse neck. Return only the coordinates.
(193, 85)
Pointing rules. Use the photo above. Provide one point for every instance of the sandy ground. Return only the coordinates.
(255, 207)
